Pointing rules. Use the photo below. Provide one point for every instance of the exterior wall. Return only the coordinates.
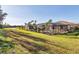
(61, 28)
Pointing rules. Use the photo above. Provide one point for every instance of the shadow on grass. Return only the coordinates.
(5, 46)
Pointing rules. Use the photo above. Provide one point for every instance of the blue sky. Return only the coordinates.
(20, 14)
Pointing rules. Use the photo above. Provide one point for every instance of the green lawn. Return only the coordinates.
(55, 43)
(6, 44)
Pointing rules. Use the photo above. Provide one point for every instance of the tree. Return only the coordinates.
(2, 16)
(48, 26)
(34, 25)
(6, 25)
(48, 23)
(30, 25)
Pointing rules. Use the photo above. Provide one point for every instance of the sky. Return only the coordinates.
(21, 14)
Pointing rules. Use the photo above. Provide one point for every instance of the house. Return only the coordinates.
(63, 27)
(59, 27)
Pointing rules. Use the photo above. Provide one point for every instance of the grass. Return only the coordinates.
(7, 46)
(5, 43)
(54, 44)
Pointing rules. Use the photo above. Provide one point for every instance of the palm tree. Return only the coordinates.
(47, 24)
(34, 25)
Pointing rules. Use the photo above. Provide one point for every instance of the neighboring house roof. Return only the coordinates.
(64, 23)
(77, 25)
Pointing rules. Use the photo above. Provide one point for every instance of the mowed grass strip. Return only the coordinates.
(42, 45)
(63, 41)
(52, 48)
(27, 43)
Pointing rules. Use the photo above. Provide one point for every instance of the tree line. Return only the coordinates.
(33, 26)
